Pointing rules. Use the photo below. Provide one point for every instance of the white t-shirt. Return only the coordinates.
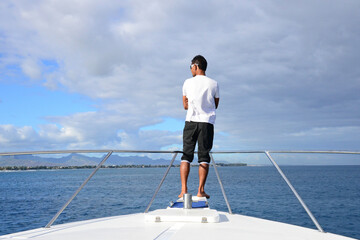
(200, 92)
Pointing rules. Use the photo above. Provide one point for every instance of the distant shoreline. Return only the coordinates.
(24, 168)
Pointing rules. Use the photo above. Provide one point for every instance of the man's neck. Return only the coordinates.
(200, 73)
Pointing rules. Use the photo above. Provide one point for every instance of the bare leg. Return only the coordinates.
(184, 173)
(203, 172)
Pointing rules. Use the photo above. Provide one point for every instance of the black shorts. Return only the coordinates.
(201, 133)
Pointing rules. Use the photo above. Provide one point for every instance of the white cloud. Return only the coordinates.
(283, 67)
(325, 132)
(51, 136)
(31, 68)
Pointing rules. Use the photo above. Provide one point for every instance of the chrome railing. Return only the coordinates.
(175, 153)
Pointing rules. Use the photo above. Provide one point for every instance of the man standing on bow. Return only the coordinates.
(200, 99)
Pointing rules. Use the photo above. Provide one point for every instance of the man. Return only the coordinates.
(200, 99)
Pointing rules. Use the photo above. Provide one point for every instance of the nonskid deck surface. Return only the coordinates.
(135, 226)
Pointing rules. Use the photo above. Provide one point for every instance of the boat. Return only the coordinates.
(189, 217)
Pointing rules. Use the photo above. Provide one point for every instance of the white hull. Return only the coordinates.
(136, 226)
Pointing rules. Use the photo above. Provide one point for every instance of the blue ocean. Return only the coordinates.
(29, 199)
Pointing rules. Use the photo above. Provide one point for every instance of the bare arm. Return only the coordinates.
(185, 102)
(217, 102)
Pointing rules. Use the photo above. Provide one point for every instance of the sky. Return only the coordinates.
(108, 74)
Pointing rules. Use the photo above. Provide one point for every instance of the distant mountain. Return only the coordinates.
(75, 159)
(136, 160)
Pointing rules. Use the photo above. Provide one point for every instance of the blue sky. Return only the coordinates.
(90, 75)
(29, 105)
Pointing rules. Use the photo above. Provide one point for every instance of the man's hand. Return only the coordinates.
(217, 102)
(185, 102)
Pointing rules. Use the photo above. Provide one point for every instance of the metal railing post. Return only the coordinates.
(78, 190)
(221, 185)
(295, 192)
(161, 182)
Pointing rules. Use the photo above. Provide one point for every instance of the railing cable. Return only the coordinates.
(295, 192)
(161, 182)
(109, 152)
(78, 190)
(221, 185)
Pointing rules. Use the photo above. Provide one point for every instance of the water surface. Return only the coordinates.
(29, 199)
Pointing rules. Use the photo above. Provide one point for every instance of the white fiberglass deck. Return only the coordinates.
(135, 226)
